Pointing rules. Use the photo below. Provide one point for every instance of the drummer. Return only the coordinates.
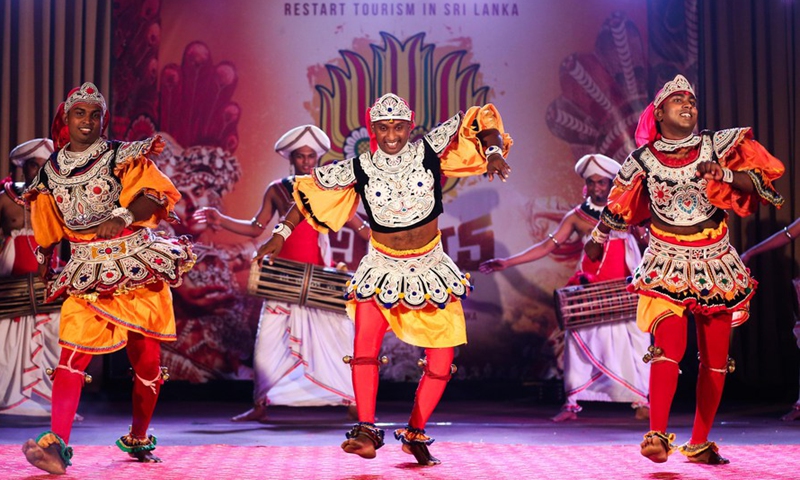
(601, 362)
(28, 344)
(290, 368)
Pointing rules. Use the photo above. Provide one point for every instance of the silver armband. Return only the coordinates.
(492, 150)
(123, 213)
(727, 175)
(41, 259)
(599, 237)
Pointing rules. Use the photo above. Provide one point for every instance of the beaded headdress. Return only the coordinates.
(677, 84)
(390, 107)
(87, 93)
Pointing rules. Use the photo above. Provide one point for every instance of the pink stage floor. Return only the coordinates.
(475, 440)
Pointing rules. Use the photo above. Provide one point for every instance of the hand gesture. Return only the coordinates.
(110, 228)
(270, 249)
(709, 170)
(497, 166)
(209, 216)
(493, 265)
(593, 250)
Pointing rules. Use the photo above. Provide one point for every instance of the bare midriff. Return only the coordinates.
(712, 222)
(414, 238)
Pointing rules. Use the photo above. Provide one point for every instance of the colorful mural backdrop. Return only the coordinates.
(222, 81)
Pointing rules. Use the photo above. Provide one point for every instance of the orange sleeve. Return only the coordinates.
(750, 157)
(628, 201)
(464, 156)
(140, 176)
(46, 221)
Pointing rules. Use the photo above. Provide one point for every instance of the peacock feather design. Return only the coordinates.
(603, 92)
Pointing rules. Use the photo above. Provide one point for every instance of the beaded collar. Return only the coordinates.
(668, 145)
(68, 161)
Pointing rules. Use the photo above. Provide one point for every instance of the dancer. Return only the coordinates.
(777, 240)
(29, 342)
(298, 351)
(405, 282)
(684, 182)
(601, 361)
(104, 197)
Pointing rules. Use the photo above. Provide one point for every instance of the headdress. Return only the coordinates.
(303, 136)
(646, 129)
(86, 93)
(388, 107)
(597, 164)
(36, 148)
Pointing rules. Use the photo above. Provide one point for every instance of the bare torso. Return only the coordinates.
(12, 216)
(409, 239)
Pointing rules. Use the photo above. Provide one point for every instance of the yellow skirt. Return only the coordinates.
(101, 326)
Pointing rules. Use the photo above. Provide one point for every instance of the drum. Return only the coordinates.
(24, 295)
(299, 283)
(595, 304)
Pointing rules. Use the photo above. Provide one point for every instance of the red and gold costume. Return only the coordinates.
(701, 273)
(415, 293)
(118, 289)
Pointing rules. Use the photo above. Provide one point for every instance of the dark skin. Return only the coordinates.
(85, 123)
(677, 119)
(392, 136)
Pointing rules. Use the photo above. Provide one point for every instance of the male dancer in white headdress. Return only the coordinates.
(28, 344)
(602, 362)
(299, 349)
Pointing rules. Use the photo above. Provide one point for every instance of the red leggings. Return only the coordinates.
(370, 328)
(144, 354)
(713, 338)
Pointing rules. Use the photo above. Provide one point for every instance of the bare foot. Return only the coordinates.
(642, 413)
(47, 459)
(654, 449)
(256, 414)
(794, 414)
(564, 416)
(145, 457)
(360, 445)
(421, 454)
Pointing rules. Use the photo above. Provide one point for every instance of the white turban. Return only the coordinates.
(36, 148)
(597, 164)
(303, 136)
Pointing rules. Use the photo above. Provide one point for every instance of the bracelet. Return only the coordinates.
(41, 259)
(289, 224)
(786, 232)
(492, 150)
(553, 238)
(123, 213)
(363, 226)
(727, 175)
(599, 237)
(283, 230)
(257, 223)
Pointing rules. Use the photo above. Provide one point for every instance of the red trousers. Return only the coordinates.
(144, 354)
(370, 328)
(713, 339)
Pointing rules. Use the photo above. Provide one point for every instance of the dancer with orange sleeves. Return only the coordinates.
(406, 282)
(104, 197)
(684, 182)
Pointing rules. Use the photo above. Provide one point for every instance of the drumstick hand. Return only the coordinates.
(270, 249)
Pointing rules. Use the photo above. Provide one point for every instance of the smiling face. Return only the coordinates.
(85, 122)
(677, 116)
(598, 188)
(304, 159)
(391, 135)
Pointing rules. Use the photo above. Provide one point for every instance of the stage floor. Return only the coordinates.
(499, 428)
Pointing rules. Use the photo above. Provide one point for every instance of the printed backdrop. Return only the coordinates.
(222, 81)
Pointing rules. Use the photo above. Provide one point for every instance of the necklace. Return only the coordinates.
(594, 207)
(669, 145)
(68, 161)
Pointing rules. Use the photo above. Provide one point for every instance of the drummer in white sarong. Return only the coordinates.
(299, 349)
(601, 362)
(28, 343)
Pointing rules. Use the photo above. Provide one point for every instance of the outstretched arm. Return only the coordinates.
(535, 252)
(274, 245)
(777, 240)
(250, 228)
